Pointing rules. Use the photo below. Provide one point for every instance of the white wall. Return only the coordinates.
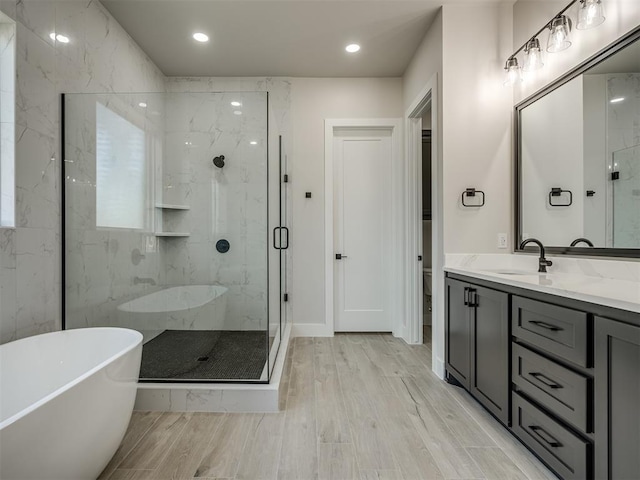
(312, 101)
(100, 57)
(426, 62)
(476, 125)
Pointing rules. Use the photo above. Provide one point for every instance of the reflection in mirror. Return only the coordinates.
(579, 158)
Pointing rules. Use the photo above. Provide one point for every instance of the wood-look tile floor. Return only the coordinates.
(357, 406)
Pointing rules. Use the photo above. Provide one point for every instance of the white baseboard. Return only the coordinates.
(311, 330)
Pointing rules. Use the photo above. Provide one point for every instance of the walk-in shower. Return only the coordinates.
(175, 225)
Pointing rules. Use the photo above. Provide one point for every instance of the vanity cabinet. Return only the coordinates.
(478, 343)
(617, 412)
(563, 374)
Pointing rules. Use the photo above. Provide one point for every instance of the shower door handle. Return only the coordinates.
(278, 245)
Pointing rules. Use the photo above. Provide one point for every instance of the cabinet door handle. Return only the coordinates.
(546, 325)
(466, 296)
(473, 297)
(544, 379)
(544, 435)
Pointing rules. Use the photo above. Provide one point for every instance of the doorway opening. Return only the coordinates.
(427, 254)
(425, 237)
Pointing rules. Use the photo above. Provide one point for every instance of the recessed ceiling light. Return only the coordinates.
(59, 38)
(617, 100)
(142, 105)
(253, 142)
(237, 112)
(200, 37)
(235, 103)
(352, 48)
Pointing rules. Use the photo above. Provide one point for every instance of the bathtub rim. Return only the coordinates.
(69, 385)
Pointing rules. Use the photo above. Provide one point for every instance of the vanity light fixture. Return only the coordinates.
(352, 48)
(532, 56)
(512, 72)
(201, 37)
(235, 103)
(590, 14)
(142, 105)
(616, 100)
(559, 37)
(253, 142)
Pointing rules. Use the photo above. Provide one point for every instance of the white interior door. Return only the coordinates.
(362, 230)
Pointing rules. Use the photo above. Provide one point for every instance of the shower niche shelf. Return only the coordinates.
(168, 206)
(172, 234)
(170, 210)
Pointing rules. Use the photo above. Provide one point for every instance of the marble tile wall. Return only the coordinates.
(100, 57)
(234, 194)
(105, 266)
(227, 203)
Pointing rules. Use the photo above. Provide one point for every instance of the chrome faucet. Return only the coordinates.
(583, 240)
(137, 280)
(543, 263)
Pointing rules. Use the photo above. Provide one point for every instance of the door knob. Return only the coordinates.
(339, 256)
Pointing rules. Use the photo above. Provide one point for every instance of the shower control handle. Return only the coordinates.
(339, 256)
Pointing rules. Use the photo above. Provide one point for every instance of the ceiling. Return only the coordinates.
(302, 38)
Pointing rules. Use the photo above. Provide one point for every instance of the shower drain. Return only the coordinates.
(203, 359)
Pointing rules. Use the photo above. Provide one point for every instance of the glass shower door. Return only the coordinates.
(626, 198)
(167, 231)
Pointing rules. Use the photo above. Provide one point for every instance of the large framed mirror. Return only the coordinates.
(577, 157)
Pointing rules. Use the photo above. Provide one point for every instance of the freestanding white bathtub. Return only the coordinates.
(190, 307)
(66, 399)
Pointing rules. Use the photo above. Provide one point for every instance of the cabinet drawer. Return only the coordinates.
(565, 452)
(558, 330)
(563, 391)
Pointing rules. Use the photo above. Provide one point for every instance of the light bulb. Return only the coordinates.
(591, 14)
(559, 37)
(201, 37)
(532, 56)
(512, 72)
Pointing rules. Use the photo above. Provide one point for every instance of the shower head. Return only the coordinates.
(219, 161)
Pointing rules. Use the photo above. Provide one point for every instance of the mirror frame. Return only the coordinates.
(606, 52)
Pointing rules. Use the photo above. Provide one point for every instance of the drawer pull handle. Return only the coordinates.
(544, 379)
(544, 435)
(548, 326)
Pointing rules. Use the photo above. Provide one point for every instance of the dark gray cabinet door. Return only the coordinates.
(617, 407)
(490, 349)
(458, 332)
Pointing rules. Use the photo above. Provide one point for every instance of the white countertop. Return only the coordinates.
(622, 293)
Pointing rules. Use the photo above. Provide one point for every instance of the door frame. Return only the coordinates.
(427, 98)
(394, 126)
